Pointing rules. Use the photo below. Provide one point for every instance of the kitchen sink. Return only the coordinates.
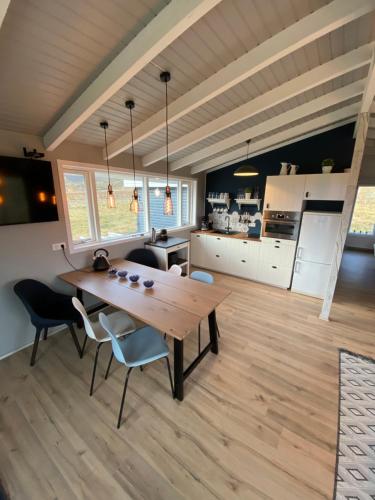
(224, 231)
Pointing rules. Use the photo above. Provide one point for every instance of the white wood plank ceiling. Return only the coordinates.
(50, 52)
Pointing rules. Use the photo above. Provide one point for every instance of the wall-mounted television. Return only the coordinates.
(27, 192)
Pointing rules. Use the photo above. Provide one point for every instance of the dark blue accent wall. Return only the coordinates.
(308, 154)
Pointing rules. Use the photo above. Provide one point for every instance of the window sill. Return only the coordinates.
(362, 235)
(120, 241)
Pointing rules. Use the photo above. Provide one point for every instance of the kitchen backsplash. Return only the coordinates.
(237, 221)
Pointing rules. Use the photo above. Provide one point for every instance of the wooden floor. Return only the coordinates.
(258, 421)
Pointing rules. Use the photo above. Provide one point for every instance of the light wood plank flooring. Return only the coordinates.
(259, 421)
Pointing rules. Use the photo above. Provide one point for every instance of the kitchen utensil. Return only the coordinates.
(101, 262)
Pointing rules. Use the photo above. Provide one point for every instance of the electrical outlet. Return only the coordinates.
(58, 246)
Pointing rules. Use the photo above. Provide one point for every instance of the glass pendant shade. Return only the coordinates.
(168, 204)
(134, 205)
(111, 200)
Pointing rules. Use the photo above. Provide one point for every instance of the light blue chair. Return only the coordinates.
(139, 348)
(209, 279)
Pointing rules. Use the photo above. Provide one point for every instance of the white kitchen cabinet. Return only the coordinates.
(273, 274)
(244, 258)
(284, 192)
(217, 253)
(198, 249)
(276, 262)
(325, 186)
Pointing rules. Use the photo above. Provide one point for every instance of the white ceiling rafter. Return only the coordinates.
(369, 92)
(325, 101)
(325, 20)
(276, 139)
(166, 27)
(4, 4)
(313, 78)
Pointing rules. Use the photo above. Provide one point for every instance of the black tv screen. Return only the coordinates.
(27, 193)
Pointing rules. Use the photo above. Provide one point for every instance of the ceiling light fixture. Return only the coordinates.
(111, 201)
(134, 204)
(157, 192)
(246, 170)
(165, 77)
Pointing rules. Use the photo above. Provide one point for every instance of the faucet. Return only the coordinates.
(228, 228)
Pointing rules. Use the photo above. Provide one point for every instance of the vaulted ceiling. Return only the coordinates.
(270, 70)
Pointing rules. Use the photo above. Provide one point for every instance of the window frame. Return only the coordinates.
(354, 233)
(88, 170)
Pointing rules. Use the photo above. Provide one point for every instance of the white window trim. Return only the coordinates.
(88, 168)
(353, 233)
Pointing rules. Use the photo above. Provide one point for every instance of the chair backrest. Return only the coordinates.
(34, 296)
(175, 269)
(143, 256)
(86, 321)
(202, 276)
(103, 320)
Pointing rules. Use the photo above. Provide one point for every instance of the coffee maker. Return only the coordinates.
(204, 224)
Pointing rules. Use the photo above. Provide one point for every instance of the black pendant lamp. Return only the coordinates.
(165, 76)
(134, 204)
(111, 201)
(246, 170)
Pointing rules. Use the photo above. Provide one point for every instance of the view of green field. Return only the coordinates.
(363, 220)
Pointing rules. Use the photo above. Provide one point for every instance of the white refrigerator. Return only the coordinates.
(315, 250)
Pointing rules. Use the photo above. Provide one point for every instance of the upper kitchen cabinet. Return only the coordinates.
(284, 192)
(325, 186)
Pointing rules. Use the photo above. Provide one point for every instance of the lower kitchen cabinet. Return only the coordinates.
(276, 262)
(244, 258)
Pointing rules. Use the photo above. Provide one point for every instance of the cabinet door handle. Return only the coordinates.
(244, 242)
(274, 267)
(307, 194)
(218, 238)
(243, 260)
(299, 252)
(268, 205)
(217, 255)
(278, 241)
(198, 235)
(297, 267)
(277, 246)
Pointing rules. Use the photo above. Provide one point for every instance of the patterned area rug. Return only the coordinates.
(355, 462)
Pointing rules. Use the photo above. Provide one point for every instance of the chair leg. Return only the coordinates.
(123, 397)
(141, 368)
(170, 376)
(45, 334)
(109, 366)
(35, 347)
(94, 369)
(75, 339)
(84, 345)
(199, 339)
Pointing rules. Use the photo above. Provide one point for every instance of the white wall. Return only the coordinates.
(25, 250)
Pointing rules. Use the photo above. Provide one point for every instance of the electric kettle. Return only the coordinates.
(101, 262)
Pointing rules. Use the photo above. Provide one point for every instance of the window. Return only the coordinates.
(363, 219)
(89, 221)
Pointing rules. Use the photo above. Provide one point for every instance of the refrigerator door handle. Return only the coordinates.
(299, 253)
(297, 267)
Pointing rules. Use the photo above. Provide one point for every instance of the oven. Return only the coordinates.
(281, 225)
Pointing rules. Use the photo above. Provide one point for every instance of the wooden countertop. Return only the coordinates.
(239, 236)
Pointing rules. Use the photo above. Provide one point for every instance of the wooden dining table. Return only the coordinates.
(175, 305)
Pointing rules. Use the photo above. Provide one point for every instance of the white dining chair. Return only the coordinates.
(121, 324)
(175, 269)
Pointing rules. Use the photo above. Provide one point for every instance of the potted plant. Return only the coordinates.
(248, 192)
(327, 165)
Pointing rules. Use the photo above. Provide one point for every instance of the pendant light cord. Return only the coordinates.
(248, 147)
(131, 133)
(106, 154)
(166, 127)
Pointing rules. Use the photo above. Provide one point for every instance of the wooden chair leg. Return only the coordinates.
(35, 346)
(94, 368)
(123, 397)
(170, 376)
(75, 339)
(45, 334)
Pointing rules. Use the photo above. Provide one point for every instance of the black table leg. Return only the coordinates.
(179, 369)
(80, 295)
(213, 332)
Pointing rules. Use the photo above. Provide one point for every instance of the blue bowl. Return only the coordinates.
(122, 274)
(134, 278)
(148, 283)
(112, 272)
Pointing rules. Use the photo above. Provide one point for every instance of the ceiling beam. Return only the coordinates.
(317, 76)
(162, 30)
(285, 135)
(304, 110)
(369, 93)
(298, 138)
(4, 4)
(324, 20)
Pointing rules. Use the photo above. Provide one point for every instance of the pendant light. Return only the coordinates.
(111, 201)
(165, 76)
(246, 170)
(157, 192)
(134, 205)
